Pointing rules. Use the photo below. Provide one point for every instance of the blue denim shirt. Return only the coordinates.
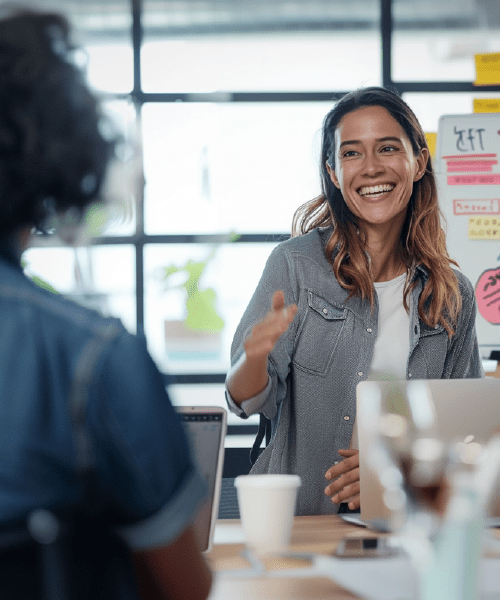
(327, 350)
(49, 349)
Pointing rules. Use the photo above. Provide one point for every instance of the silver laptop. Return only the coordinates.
(206, 430)
(465, 409)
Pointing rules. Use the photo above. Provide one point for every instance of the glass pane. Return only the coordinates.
(100, 277)
(229, 167)
(179, 338)
(103, 31)
(110, 66)
(307, 61)
(436, 41)
(167, 18)
(124, 178)
(429, 107)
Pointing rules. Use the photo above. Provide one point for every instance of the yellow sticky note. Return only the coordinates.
(484, 228)
(487, 68)
(486, 105)
(431, 142)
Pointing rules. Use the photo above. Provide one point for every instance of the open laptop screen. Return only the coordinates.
(206, 429)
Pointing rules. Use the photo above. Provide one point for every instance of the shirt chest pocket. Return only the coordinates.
(319, 334)
(432, 348)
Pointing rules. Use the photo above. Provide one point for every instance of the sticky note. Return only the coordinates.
(484, 228)
(486, 105)
(487, 68)
(431, 142)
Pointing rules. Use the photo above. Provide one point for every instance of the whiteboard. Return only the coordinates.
(468, 176)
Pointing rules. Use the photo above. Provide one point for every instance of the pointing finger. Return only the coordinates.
(278, 301)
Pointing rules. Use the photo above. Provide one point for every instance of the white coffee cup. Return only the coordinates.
(267, 507)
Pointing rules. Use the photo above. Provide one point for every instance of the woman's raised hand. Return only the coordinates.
(249, 376)
(267, 332)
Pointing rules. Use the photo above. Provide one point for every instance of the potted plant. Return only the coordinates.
(198, 335)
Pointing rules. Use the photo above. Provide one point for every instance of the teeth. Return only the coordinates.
(375, 190)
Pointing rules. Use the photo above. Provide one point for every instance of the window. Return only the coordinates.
(231, 270)
(99, 277)
(231, 97)
(264, 62)
(229, 167)
(429, 106)
(436, 41)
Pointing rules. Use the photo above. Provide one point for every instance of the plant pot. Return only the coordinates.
(182, 343)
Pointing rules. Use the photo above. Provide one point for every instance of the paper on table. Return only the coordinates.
(394, 578)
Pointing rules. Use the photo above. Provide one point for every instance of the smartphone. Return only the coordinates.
(365, 547)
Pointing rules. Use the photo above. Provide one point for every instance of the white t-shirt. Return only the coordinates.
(392, 346)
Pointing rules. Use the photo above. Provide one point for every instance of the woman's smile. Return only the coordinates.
(375, 166)
(376, 191)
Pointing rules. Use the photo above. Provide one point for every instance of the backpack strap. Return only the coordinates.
(264, 430)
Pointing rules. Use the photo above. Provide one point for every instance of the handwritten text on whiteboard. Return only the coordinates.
(469, 139)
(474, 180)
(476, 207)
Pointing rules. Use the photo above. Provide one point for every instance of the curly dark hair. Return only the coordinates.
(52, 150)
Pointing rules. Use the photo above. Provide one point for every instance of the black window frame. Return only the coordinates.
(139, 239)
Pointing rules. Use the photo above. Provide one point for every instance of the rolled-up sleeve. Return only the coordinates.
(252, 405)
(277, 275)
(168, 523)
(142, 455)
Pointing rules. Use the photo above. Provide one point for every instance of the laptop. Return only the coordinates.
(205, 427)
(465, 409)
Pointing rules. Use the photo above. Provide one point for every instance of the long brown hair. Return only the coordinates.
(422, 237)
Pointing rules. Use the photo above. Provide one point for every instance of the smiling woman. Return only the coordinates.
(375, 171)
(363, 289)
(392, 150)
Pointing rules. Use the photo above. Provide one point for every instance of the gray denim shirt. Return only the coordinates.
(327, 350)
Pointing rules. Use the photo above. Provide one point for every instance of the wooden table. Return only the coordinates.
(319, 534)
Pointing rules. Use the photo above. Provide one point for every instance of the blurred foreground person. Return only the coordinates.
(94, 463)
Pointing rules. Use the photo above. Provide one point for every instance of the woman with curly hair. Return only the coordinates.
(364, 288)
(94, 463)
